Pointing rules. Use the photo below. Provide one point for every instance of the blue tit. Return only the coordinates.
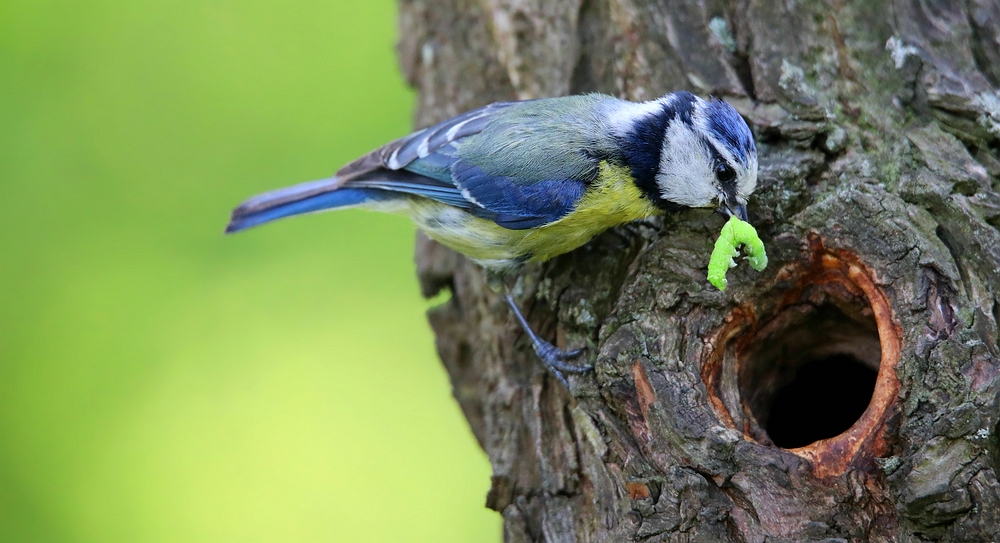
(518, 182)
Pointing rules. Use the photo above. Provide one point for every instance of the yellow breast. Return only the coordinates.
(612, 199)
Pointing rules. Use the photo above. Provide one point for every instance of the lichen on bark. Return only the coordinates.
(878, 125)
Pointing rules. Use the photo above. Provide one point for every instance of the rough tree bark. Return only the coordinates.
(878, 125)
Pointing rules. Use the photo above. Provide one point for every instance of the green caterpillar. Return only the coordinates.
(734, 234)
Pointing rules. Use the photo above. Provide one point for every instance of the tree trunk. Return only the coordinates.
(741, 415)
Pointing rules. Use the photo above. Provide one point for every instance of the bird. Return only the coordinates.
(525, 181)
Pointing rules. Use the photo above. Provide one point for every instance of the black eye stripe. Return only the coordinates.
(713, 152)
(719, 161)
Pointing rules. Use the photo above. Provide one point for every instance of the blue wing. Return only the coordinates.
(440, 173)
(515, 205)
(427, 163)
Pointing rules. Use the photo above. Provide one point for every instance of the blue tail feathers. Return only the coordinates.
(285, 203)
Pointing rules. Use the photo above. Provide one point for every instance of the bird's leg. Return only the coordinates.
(552, 356)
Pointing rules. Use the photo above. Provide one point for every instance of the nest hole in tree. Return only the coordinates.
(811, 374)
(809, 367)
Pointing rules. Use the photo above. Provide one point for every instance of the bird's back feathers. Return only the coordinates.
(530, 180)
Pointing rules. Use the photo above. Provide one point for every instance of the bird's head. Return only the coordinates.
(708, 157)
(688, 152)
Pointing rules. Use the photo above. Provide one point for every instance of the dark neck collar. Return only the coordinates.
(642, 146)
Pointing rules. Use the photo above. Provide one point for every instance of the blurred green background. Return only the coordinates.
(162, 382)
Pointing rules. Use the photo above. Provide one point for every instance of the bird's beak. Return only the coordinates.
(733, 209)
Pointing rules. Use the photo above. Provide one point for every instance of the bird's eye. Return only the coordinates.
(725, 173)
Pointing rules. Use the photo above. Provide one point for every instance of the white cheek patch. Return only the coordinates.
(686, 176)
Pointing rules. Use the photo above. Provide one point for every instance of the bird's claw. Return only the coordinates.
(556, 358)
(553, 357)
